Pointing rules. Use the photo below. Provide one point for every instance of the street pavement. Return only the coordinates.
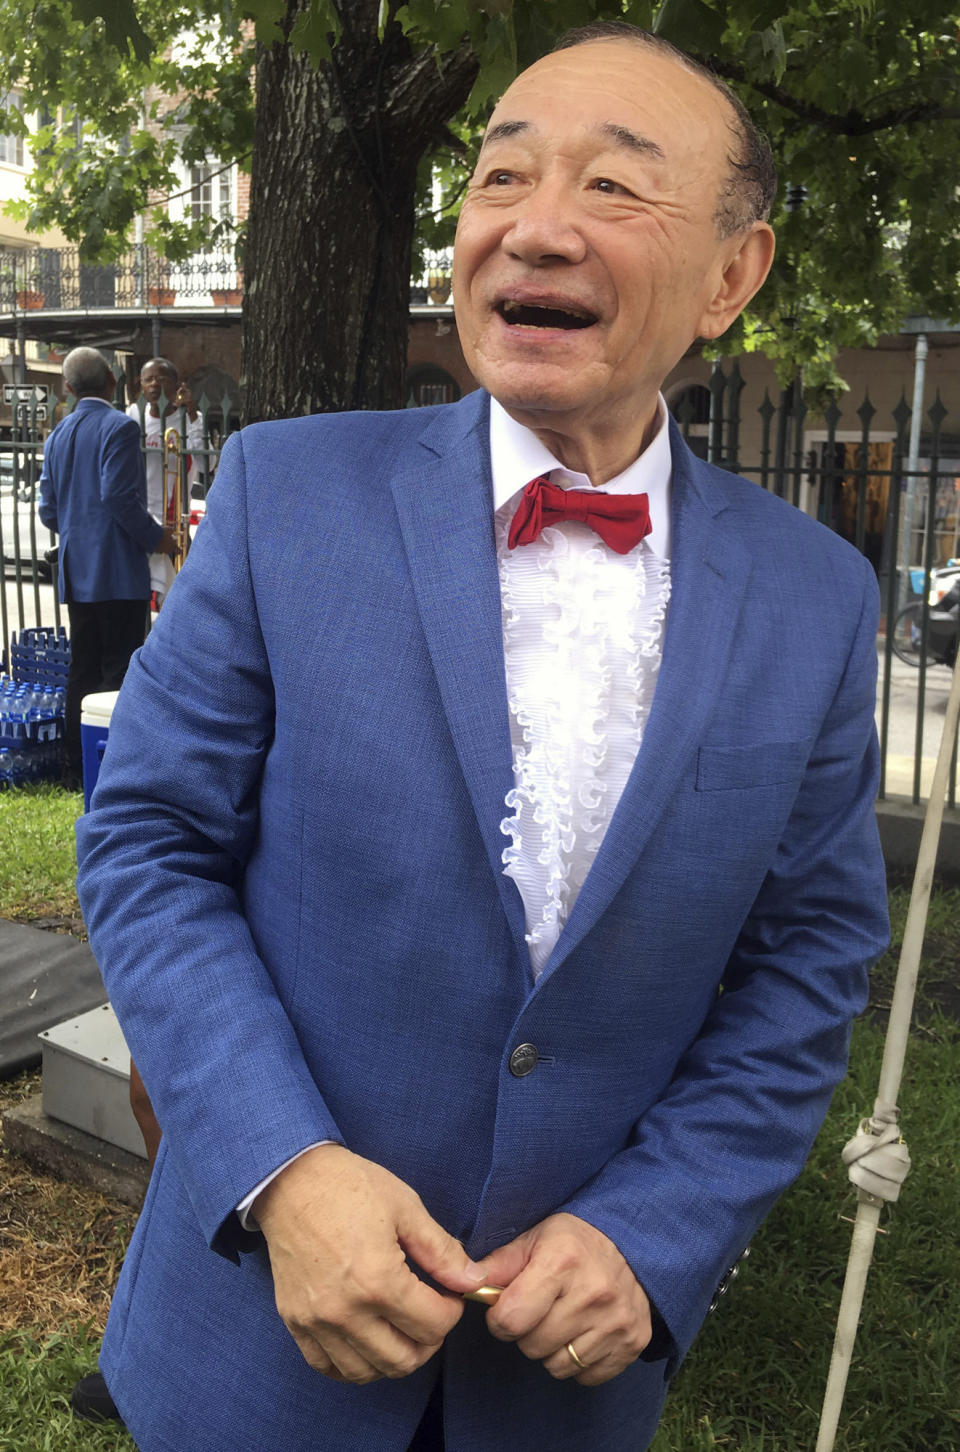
(903, 717)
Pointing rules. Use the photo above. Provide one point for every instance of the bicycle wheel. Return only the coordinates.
(906, 635)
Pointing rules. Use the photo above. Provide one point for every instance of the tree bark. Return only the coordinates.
(333, 188)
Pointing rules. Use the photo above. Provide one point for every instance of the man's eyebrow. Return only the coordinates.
(503, 129)
(623, 136)
(619, 135)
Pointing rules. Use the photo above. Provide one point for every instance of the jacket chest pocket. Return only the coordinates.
(742, 768)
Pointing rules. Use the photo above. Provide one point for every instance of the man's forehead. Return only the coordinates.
(651, 101)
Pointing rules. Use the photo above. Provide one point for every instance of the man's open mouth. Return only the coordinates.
(527, 316)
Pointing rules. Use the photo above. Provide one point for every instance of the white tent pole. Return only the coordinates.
(885, 1112)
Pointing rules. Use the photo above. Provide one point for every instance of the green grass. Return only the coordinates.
(37, 1375)
(37, 859)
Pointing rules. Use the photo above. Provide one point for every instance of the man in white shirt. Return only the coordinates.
(513, 899)
(164, 397)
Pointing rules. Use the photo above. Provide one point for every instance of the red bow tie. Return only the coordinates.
(621, 520)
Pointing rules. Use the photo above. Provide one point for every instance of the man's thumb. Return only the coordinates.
(504, 1265)
(438, 1253)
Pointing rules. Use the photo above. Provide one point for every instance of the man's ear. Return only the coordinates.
(744, 273)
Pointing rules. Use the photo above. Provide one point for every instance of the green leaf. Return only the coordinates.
(775, 48)
(691, 25)
(267, 16)
(315, 31)
(121, 25)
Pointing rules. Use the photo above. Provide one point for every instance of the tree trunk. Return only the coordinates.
(333, 188)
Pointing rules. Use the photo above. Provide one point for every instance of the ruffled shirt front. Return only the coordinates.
(582, 638)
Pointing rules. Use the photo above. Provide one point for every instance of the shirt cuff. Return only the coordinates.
(243, 1209)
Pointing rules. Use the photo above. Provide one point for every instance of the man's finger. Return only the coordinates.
(436, 1252)
(347, 1361)
(502, 1266)
(417, 1311)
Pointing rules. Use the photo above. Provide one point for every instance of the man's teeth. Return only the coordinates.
(535, 316)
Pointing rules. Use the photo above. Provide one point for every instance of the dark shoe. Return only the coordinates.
(91, 1399)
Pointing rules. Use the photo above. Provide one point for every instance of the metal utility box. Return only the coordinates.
(86, 1078)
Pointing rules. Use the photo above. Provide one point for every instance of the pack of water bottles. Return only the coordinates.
(40, 654)
(32, 703)
(31, 731)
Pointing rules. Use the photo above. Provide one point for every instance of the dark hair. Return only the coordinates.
(751, 184)
(86, 372)
(164, 365)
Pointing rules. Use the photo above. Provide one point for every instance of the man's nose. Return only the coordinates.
(544, 229)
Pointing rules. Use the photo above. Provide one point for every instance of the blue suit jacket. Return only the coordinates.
(93, 493)
(293, 884)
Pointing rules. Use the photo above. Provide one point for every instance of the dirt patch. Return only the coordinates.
(61, 1246)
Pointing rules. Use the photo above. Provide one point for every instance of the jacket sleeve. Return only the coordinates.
(47, 507)
(123, 486)
(735, 1125)
(161, 856)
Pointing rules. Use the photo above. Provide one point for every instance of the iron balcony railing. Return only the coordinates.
(55, 278)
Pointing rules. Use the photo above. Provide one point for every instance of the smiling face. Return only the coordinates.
(587, 257)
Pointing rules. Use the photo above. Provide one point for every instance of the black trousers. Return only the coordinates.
(429, 1435)
(103, 636)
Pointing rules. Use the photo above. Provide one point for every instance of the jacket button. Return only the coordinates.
(523, 1060)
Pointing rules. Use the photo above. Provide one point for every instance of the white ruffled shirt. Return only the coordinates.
(582, 639)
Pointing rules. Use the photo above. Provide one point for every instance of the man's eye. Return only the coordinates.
(499, 179)
(604, 184)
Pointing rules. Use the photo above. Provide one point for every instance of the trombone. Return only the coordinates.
(176, 495)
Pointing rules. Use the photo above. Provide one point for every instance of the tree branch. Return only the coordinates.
(850, 123)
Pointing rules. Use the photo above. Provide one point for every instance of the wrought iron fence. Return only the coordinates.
(849, 468)
(852, 469)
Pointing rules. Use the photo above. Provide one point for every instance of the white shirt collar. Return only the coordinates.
(517, 456)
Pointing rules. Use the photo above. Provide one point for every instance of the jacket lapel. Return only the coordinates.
(709, 572)
(443, 497)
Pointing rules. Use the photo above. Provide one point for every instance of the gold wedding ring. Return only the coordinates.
(582, 1364)
(486, 1295)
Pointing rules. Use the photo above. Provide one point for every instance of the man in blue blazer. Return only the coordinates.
(500, 877)
(93, 494)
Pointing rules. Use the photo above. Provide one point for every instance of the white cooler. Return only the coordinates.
(95, 714)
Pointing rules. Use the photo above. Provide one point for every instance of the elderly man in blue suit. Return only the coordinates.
(496, 915)
(93, 494)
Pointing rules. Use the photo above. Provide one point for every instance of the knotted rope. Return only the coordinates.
(877, 1159)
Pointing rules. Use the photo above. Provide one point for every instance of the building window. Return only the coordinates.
(11, 147)
(428, 384)
(691, 404)
(212, 193)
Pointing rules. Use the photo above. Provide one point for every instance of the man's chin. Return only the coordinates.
(520, 392)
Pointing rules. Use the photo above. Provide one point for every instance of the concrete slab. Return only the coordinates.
(70, 1154)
